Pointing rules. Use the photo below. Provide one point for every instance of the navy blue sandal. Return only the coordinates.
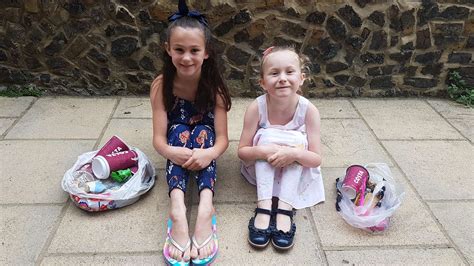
(283, 240)
(259, 238)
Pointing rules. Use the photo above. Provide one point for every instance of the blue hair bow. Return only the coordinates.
(183, 11)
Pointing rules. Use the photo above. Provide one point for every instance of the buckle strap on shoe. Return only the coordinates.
(263, 211)
(285, 212)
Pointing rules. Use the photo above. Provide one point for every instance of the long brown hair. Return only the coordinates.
(211, 82)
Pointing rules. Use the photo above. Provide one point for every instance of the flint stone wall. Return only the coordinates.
(356, 47)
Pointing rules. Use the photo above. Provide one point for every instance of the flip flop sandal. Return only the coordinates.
(171, 242)
(213, 236)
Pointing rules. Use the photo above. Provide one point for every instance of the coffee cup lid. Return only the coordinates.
(100, 167)
(348, 192)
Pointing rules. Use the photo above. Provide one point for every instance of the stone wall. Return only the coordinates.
(357, 47)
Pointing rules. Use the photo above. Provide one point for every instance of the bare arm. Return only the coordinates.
(312, 156)
(159, 118)
(178, 155)
(220, 125)
(247, 152)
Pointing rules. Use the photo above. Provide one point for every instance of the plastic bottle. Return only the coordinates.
(82, 178)
(121, 175)
(94, 187)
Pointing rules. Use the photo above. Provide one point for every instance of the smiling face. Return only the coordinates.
(187, 49)
(281, 73)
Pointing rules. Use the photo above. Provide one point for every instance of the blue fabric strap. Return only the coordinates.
(183, 11)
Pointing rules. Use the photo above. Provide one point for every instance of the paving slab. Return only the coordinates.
(439, 170)
(133, 107)
(235, 117)
(137, 133)
(411, 224)
(349, 141)
(140, 227)
(404, 119)
(68, 118)
(456, 218)
(5, 123)
(13, 107)
(450, 109)
(460, 116)
(101, 259)
(335, 108)
(136, 234)
(232, 222)
(465, 126)
(412, 256)
(25, 230)
(33, 170)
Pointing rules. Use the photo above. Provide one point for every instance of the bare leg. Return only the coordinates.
(203, 227)
(180, 225)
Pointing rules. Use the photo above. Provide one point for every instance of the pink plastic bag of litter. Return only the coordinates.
(382, 196)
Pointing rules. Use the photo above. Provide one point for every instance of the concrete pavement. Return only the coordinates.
(427, 142)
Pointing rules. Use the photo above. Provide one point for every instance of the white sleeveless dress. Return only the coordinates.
(296, 185)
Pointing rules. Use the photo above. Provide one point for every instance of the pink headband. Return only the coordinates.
(267, 51)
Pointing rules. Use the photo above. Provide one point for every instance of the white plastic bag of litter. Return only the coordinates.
(115, 197)
(371, 216)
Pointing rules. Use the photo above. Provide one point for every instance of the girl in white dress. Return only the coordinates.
(280, 149)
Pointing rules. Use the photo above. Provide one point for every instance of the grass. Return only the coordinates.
(459, 91)
(19, 91)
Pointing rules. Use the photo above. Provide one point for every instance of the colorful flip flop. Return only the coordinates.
(171, 242)
(213, 236)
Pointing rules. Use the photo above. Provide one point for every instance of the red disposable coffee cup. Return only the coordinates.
(354, 181)
(102, 166)
(114, 145)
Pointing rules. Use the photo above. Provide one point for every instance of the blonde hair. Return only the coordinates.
(303, 60)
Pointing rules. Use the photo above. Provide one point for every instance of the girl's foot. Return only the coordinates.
(258, 237)
(285, 228)
(262, 221)
(203, 228)
(180, 234)
(283, 222)
(259, 225)
(202, 231)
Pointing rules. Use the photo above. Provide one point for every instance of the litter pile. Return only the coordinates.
(112, 177)
(368, 196)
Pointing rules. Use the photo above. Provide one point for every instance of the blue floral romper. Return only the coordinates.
(191, 129)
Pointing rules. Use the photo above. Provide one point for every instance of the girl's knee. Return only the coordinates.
(202, 136)
(179, 135)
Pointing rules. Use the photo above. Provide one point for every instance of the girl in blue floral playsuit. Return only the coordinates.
(190, 102)
(191, 129)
